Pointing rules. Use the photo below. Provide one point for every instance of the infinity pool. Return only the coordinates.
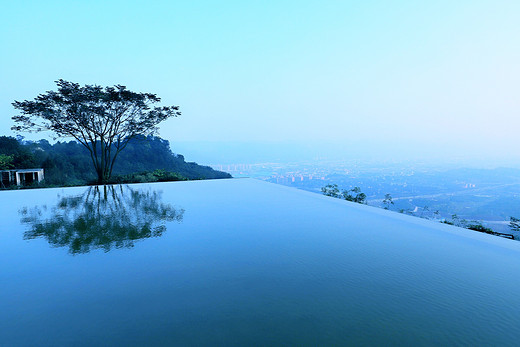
(244, 262)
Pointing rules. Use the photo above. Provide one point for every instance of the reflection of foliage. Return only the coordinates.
(102, 217)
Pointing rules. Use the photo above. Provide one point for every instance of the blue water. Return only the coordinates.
(243, 262)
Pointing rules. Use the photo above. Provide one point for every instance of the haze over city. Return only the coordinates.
(399, 80)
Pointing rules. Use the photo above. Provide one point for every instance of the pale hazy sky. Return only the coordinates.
(425, 74)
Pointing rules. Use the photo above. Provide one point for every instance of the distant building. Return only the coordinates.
(20, 177)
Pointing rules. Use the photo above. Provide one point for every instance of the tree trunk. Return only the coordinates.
(101, 178)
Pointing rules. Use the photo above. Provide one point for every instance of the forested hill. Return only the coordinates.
(69, 163)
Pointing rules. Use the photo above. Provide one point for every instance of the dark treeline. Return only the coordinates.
(69, 163)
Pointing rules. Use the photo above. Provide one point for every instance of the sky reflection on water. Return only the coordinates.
(246, 263)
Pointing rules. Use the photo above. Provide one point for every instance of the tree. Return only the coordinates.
(6, 162)
(388, 201)
(333, 191)
(103, 120)
(359, 197)
(514, 223)
(21, 156)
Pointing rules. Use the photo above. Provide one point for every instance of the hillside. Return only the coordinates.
(69, 163)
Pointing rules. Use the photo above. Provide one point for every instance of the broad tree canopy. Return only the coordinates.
(101, 119)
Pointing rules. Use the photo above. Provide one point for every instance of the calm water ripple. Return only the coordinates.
(243, 262)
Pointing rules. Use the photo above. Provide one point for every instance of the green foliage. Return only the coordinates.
(142, 177)
(22, 156)
(69, 163)
(331, 190)
(387, 201)
(354, 194)
(455, 220)
(152, 153)
(476, 226)
(514, 223)
(481, 228)
(6, 162)
(103, 120)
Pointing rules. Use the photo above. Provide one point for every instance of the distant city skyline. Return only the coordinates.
(396, 79)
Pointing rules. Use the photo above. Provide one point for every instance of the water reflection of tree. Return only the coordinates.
(103, 217)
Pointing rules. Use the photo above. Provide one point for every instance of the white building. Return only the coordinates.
(21, 177)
